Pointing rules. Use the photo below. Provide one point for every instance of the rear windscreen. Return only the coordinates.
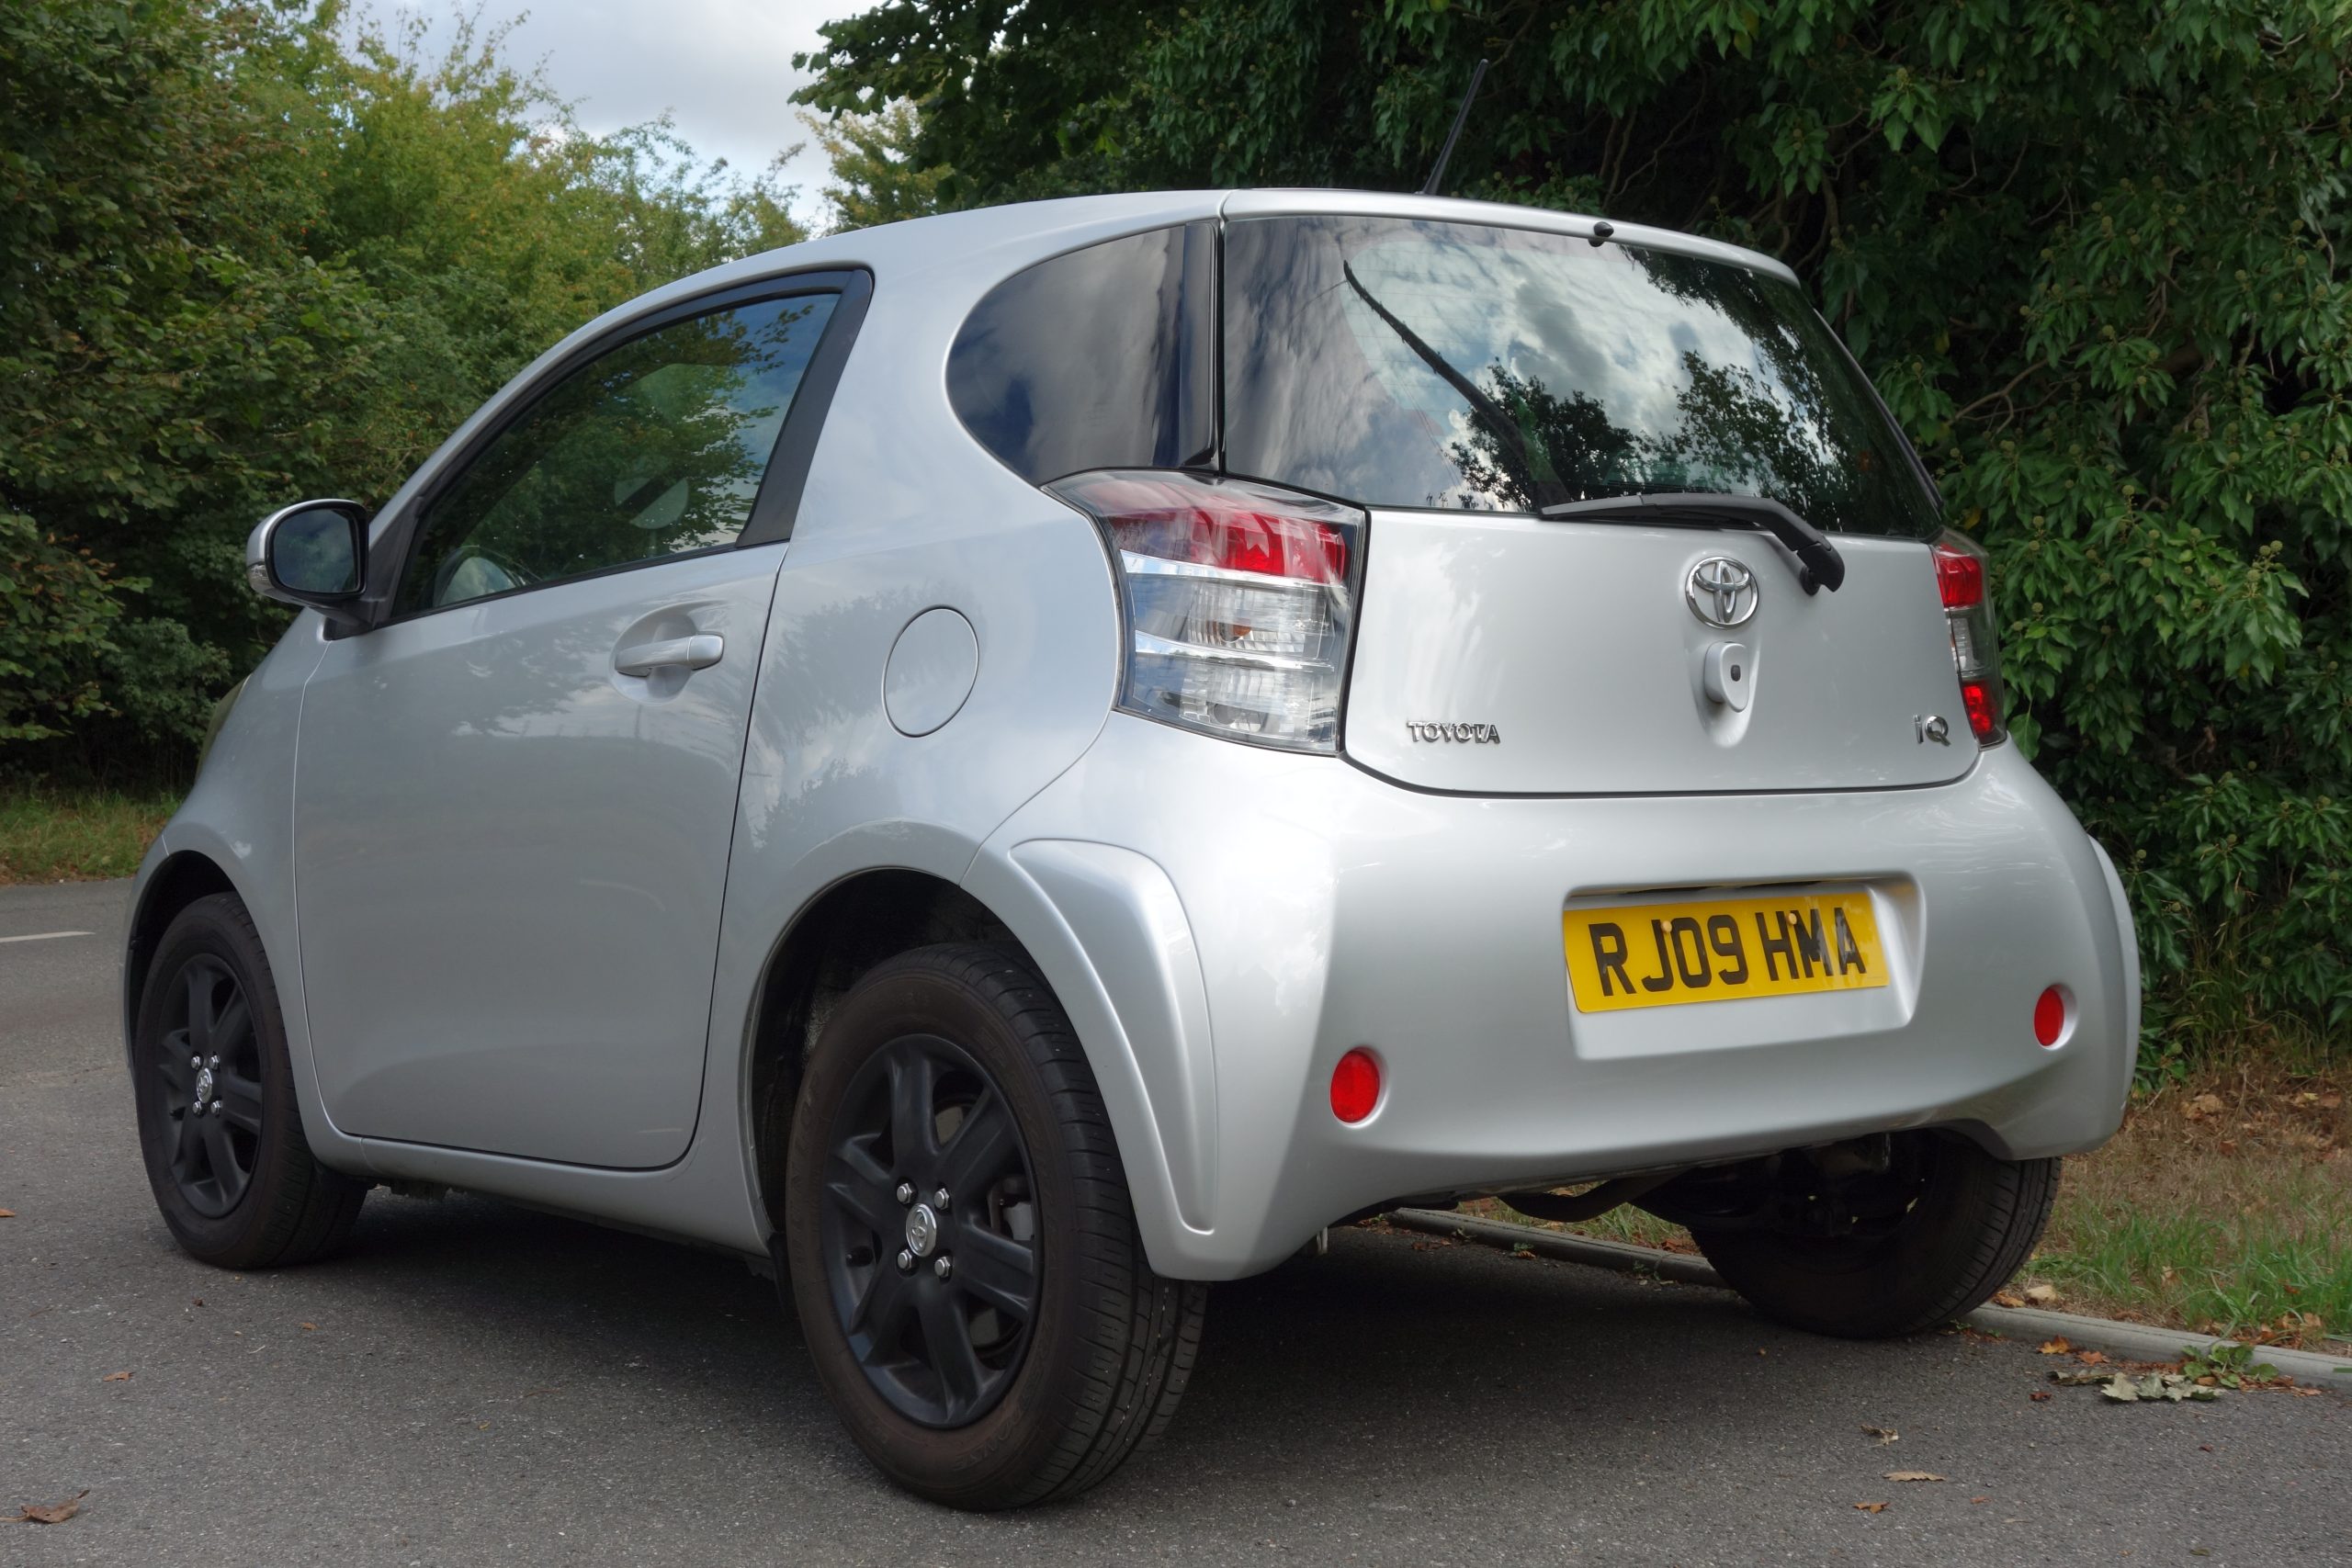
(1397, 363)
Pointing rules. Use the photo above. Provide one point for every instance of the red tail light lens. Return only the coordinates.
(1237, 527)
(1984, 709)
(1960, 578)
(1241, 601)
(1355, 1085)
(1975, 650)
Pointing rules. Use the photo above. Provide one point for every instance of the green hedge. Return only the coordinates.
(243, 262)
(2088, 252)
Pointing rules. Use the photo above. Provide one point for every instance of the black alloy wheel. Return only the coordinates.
(210, 1062)
(1877, 1254)
(219, 1124)
(929, 1230)
(959, 1242)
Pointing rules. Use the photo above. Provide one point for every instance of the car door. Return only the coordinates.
(514, 798)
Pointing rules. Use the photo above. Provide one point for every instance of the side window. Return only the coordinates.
(654, 448)
(1101, 358)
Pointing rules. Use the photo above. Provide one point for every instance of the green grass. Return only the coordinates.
(2224, 1209)
(56, 835)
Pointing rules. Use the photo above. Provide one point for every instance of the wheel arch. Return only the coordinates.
(1039, 911)
(844, 931)
(179, 879)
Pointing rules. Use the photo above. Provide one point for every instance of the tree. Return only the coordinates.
(2088, 253)
(241, 263)
(879, 176)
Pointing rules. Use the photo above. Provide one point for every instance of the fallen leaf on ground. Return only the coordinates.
(2042, 1295)
(1883, 1433)
(1871, 1507)
(2008, 1299)
(34, 1514)
(2057, 1347)
(2167, 1387)
(311, 1325)
(1980, 1499)
(8, 1213)
(2091, 1358)
(1913, 1475)
(2306, 1393)
(2040, 1394)
(116, 1377)
(2073, 1377)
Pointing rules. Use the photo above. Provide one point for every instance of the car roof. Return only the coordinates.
(1003, 240)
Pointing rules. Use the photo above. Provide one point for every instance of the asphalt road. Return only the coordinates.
(474, 1384)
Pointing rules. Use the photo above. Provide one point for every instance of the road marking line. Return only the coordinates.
(45, 936)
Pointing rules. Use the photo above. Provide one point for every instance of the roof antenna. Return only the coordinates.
(1445, 153)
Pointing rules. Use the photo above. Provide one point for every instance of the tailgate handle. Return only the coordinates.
(699, 651)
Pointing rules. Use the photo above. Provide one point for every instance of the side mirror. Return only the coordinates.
(314, 555)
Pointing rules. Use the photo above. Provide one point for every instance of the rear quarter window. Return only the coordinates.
(1101, 358)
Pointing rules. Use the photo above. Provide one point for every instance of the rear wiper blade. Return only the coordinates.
(1819, 564)
(1483, 408)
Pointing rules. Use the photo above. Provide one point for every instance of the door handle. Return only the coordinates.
(697, 652)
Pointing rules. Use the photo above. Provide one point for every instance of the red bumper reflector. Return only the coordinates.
(1355, 1085)
(2049, 1016)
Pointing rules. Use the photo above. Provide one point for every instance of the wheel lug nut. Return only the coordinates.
(906, 1194)
(196, 1061)
(939, 1198)
(906, 1261)
(216, 1107)
(215, 1062)
(942, 1266)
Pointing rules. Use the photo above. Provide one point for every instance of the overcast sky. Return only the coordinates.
(722, 68)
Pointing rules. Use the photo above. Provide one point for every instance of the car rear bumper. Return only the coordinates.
(1223, 923)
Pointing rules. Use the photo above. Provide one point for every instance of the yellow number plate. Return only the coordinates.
(1647, 955)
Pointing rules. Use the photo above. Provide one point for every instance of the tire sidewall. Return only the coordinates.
(216, 927)
(1017, 1436)
(1887, 1287)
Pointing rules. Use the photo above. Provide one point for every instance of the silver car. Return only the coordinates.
(1007, 766)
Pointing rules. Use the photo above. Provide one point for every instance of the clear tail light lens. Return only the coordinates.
(1975, 649)
(1239, 597)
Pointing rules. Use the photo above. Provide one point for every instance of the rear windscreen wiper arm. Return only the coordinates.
(1483, 408)
(1819, 564)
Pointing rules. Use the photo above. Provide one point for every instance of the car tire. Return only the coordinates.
(230, 1169)
(934, 1368)
(1971, 1225)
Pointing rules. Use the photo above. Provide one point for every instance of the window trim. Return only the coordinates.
(775, 508)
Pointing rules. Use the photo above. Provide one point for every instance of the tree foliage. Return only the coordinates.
(243, 262)
(2087, 251)
(876, 177)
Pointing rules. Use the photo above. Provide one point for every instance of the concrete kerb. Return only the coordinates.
(2130, 1341)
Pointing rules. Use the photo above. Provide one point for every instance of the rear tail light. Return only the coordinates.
(1975, 649)
(1239, 599)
